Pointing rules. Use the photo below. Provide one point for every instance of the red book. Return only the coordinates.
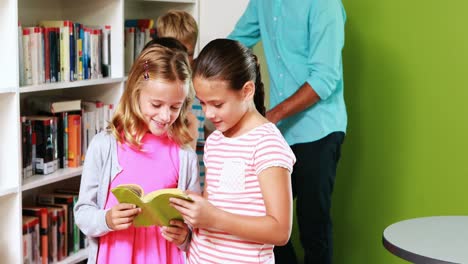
(42, 214)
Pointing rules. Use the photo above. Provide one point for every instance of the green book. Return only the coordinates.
(155, 207)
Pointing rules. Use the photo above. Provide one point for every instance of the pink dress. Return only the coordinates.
(155, 168)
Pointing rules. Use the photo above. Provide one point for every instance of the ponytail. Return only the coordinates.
(259, 96)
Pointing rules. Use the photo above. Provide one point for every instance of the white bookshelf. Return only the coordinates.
(13, 190)
(66, 85)
(41, 180)
(7, 90)
(76, 257)
(8, 191)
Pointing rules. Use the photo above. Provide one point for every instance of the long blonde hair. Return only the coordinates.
(128, 124)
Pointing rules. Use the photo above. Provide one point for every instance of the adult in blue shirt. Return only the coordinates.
(303, 42)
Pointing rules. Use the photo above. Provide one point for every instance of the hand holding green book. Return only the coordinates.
(155, 207)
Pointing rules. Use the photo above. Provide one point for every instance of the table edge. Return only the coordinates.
(410, 256)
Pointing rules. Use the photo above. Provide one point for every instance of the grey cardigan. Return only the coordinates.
(100, 167)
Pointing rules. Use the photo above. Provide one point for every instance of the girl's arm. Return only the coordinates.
(89, 217)
(275, 183)
(188, 171)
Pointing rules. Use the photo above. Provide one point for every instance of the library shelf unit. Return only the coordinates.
(14, 191)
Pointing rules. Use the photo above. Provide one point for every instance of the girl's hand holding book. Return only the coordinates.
(121, 216)
(198, 213)
(176, 233)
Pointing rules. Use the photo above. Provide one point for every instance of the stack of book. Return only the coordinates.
(60, 50)
(138, 32)
(57, 132)
(49, 230)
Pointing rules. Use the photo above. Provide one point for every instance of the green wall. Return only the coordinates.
(406, 89)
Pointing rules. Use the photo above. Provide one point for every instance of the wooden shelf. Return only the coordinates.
(66, 85)
(41, 180)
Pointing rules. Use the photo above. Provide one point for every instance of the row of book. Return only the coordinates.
(49, 230)
(60, 134)
(138, 32)
(60, 50)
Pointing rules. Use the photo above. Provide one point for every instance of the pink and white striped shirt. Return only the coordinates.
(233, 166)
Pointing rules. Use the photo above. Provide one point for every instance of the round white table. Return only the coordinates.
(428, 240)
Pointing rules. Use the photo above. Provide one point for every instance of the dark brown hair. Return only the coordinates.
(167, 42)
(229, 60)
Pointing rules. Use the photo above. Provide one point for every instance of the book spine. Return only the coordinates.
(106, 66)
(129, 48)
(58, 59)
(41, 52)
(61, 245)
(52, 235)
(20, 54)
(41, 213)
(74, 140)
(33, 148)
(34, 48)
(44, 146)
(86, 53)
(27, 59)
(79, 51)
(65, 140)
(27, 244)
(94, 54)
(54, 126)
(72, 50)
(36, 242)
(60, 137)
(66, 50)
(84, 134)
(26, 135)
(47, 55)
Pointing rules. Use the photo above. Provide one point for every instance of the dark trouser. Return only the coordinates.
(313, 178)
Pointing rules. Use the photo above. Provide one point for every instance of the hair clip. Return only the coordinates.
(146, 73)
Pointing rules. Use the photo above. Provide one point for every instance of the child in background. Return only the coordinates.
(145, 145)
(246, 206)
(180, 25)
(183, 27)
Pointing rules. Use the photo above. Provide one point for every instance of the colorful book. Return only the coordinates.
(129, 47)
(31, 241)
(26, 147)
(43, 216)
(68, 201)
(27, 57)
(44, 147)
(106, 51)
(74, 140)
(64, 26)
(83, 240)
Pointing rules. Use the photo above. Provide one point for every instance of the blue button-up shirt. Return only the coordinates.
(302, 41)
